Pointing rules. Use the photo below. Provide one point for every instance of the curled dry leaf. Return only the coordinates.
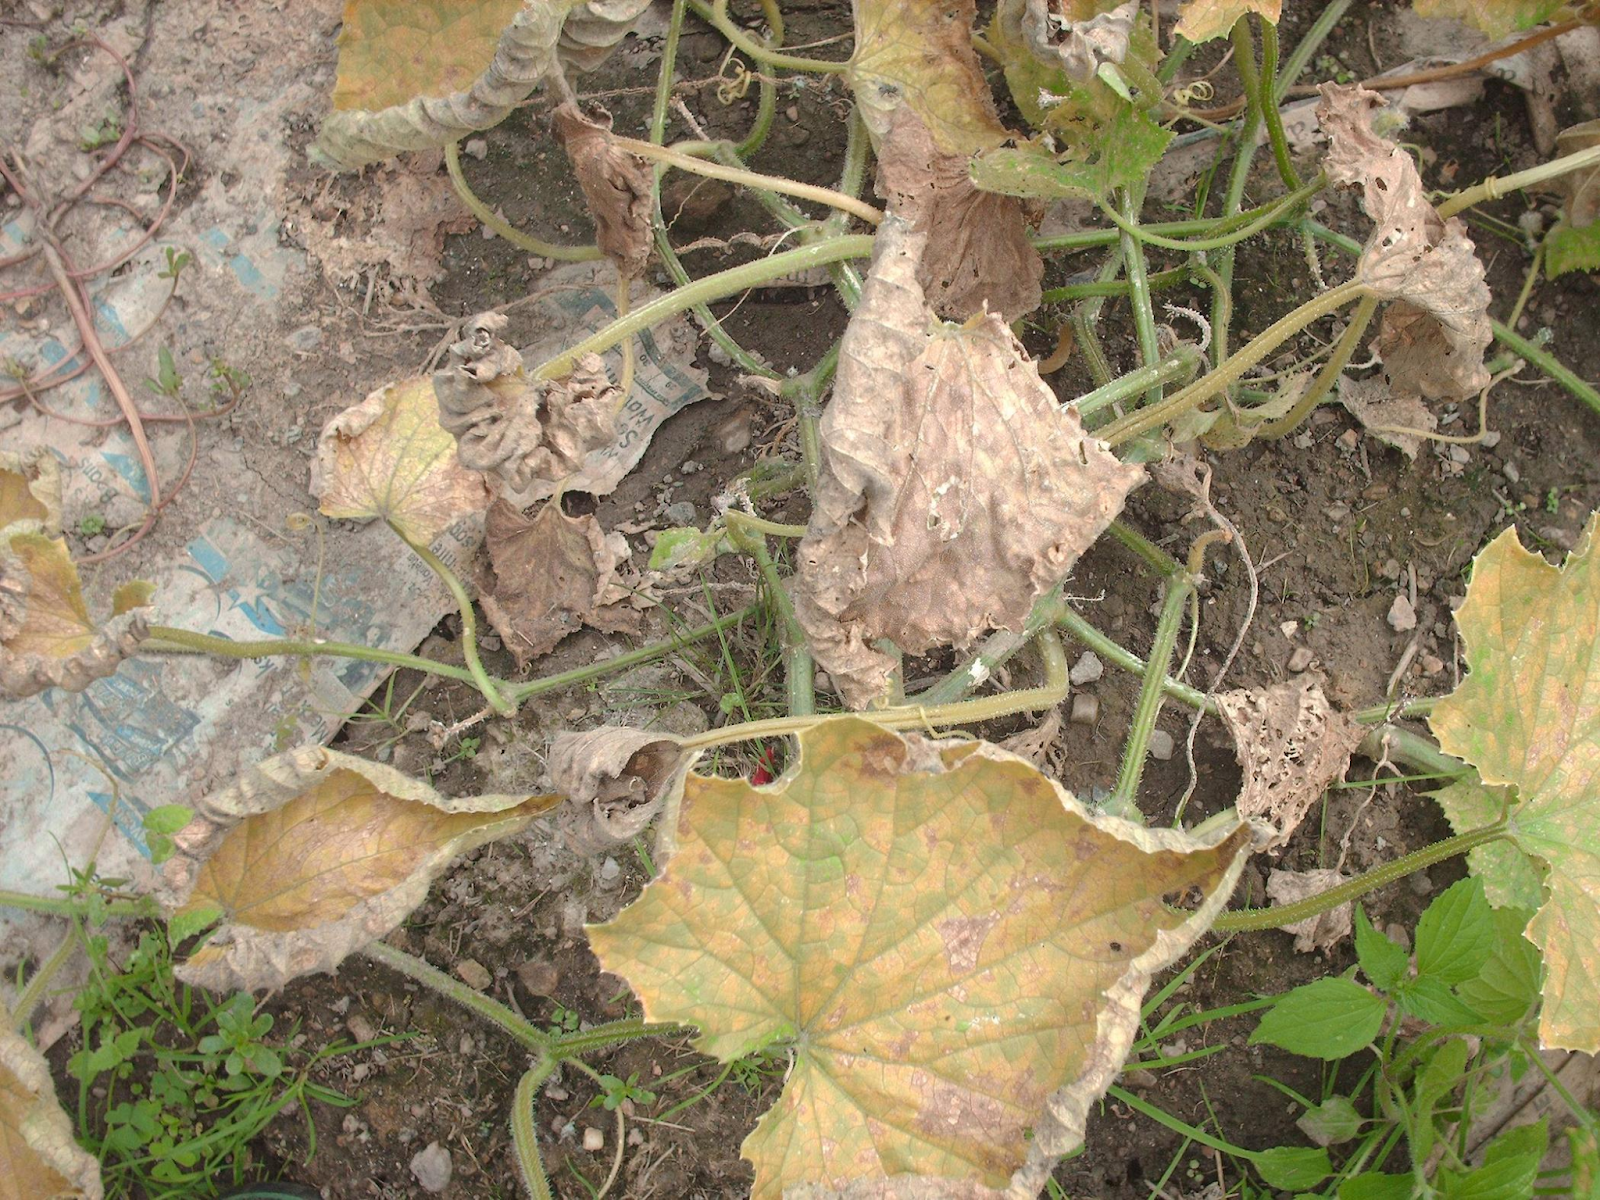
(39, 1160)
(1202, 20)
(312, 855)
(416, 74)
(928, 107)
(389, 457)
(553, 574)
(1077, 38)
(1291, 743)
(955, 946)
(1433, 336)
(30, 489)
(618, 777)
(530, 434)
(1320, 933)
(953, 493)
(1387, 415)
(616, 184)
(47, 638)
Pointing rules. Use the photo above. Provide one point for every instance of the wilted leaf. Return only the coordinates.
(416, 74)
(1077, 37)
(954, 492)
(621, 776)
(1291, 743)
(954, 946)
(1528, 716)
(313, 854)
(1495, 17)
(1385, 414)
(30, 490)
(616, 184)
(38, 1158)
(977, 252)
(1202, 20)
(1433, 337)
(389, 457)
(531, 434)
(1325, 930)
(47, 638)
(1132, 146)
(553, 574)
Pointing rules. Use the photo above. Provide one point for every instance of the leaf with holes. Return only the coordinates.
(389, 457)
(313, 854)
(1528, 716)
(954, 947)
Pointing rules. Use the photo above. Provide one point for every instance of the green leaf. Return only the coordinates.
(167, 818)
(949, 940)
(1431, 1000)
(190, 921)
(1332, 1122)
(1383, 961)
(1569, 247)
(1455, 935)
(1292, 1166)
(1507, 988)
(1509, 1171)
(1375, 1185)
(1328, 1019)
(1133, 145)
(1528, 715)
(1437, 1080)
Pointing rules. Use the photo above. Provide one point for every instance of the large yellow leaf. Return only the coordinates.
(389, 457)
(1528, 716)
(313, 854)
(1495, 17)
(951, 945)
(38, 1158)
(47, 638)
(1202, 20)
(30, 490)
(392, 50)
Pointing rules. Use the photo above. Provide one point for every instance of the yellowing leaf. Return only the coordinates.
(313, 854)
(47, 638)
(390, 51)
(30, 490)
(1202, 20)
(1495, 17)
(1528, 716)
(1510, 878)
(952, 945)
(389, 457)
(954, 490)
(918, 53)
(38, 1158)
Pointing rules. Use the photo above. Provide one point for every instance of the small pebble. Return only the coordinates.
(1348, 440)
(557, 1093)
(478, 148)
(1490, 439)
(1161, 745)
(1085, 709)
(1420, 884)
(474, 974)
(681, 513)
(1300, 659)
(431, 1166)
(718, 355)
(360, 1028)
(1402, 617)
(594, 1139)
(1431, 664)
(610, 870)
(1087, 669)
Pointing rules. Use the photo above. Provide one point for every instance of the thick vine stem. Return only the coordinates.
(716, 15)
(1138, 272)
(525, 1130)
(502, 227)
(1180, 364)
(1553, 367)
(164, 639)
(997, 649)
(711, 287)
(1269, 105)
(142, 908)
(474, 1002)
(1328, 377)
(1493, 188)
(1272, 214)
(671, 157)
(1250, 919)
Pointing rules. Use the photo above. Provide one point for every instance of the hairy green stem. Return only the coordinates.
(469, 623)
(1125, 795)
(522, 241)
(1089, 239)
(474, 1002)
(1068, 293)
(1249, 919)
(1143, 548)
(799, 670)
(1269, 105)
(1546, 362)
(525, 1130)
(711, 287)
(805, 393)
(1179, 365)
(1138, 272)
(166, 639)
(1494, 188)
(612, 1033)
(33, 991)
(144, 907)
(1328, 377)
(996, 651)
(1271, 214)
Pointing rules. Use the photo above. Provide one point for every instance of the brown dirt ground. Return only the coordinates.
(1321, 519)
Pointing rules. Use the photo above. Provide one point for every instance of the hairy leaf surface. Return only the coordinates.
(1528, 716)
(954, 947)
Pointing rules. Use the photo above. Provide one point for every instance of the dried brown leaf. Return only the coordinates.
(39, 1160)
(1058, 32)
(1386, 414)
(978, 252)
(619, 777)
(1431, 341)
(530, 434)
(1291, 743)
(313, 854)
(47, 638)
(616, 184)
(30, 489)
(1324, 931)
(553, 574)
(1580, 190)
(954, 491)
